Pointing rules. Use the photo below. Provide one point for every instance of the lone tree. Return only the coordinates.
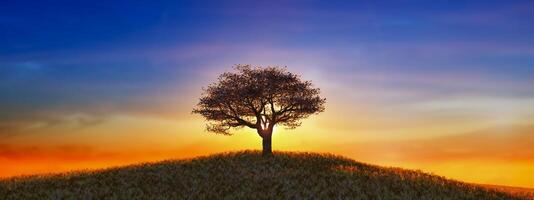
(258, 98)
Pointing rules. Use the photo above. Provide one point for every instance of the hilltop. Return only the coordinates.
(246, 174)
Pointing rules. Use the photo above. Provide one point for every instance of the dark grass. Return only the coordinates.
(247, 175)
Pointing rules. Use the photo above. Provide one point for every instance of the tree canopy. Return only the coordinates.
(258, 98)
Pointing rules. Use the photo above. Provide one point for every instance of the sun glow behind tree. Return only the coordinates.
(258, 98)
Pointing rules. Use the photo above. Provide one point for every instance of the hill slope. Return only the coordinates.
(246, 175)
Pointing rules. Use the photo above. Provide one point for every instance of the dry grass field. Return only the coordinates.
(248, 175)
(527, 193)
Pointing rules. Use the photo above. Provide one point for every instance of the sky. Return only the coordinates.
(446, 87)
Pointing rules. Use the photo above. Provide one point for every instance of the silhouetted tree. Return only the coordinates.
(258, 98)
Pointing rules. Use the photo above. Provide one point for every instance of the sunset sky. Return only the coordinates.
(443, 87)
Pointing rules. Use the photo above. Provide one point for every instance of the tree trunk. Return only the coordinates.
(267, 148)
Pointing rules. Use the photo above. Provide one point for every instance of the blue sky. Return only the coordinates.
(64, 52)
(87, 54)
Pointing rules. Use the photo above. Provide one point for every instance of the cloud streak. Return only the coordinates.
(506, 144)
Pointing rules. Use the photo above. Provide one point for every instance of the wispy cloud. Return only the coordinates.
(505, 143)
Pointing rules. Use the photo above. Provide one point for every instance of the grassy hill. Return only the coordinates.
(246, 174)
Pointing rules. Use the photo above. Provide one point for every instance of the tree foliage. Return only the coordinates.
(258, 98)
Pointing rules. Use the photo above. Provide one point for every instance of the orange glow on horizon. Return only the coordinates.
(490, 156)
